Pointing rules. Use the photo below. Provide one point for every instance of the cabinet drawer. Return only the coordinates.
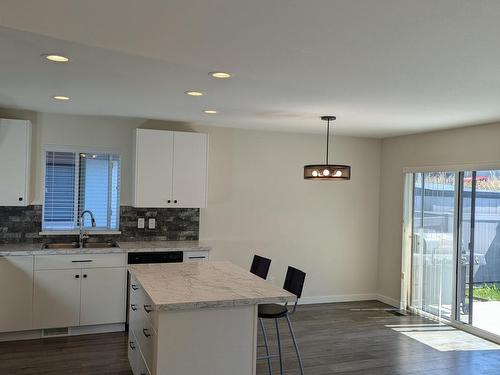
(134, 354)
(146, 336)
(141, 306)
(58, 262)
(195, 256)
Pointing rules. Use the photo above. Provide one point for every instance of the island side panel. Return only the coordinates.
(216, 341)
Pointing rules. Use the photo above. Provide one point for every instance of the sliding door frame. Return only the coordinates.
(407, 266)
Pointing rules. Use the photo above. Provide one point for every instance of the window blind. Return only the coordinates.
(59, 209)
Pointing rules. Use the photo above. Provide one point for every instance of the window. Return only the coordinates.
(76, 181)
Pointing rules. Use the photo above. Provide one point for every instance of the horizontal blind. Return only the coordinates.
(60, 194)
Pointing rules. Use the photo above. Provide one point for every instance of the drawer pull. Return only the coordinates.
(131, 344)
(133, 307)
(197, 257)
(82, 261)
(145, 332)
(148, 308)
(134, 287)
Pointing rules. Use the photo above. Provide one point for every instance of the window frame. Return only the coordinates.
(79, 150)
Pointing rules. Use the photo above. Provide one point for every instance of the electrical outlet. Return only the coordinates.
(140, 223)
(152, 223)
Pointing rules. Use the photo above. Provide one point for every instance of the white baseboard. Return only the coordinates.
(349, 298)
(337, 298)
(388, 301)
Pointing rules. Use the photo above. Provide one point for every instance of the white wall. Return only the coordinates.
(478, 144)
(258, 201)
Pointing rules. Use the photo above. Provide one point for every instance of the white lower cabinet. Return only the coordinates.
(103, 296)
(56, 299)
(16, 303)
(78, 296)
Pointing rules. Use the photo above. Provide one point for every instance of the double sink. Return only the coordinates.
(76, 245)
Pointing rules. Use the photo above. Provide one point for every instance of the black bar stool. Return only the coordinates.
(294, 283)
(260, 267)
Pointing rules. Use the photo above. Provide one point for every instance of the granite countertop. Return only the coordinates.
(188, 286)
(124, 247)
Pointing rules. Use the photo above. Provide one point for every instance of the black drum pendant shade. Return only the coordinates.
(327, 171)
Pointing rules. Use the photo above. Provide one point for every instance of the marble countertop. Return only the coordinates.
(124, 247)
(188, 286)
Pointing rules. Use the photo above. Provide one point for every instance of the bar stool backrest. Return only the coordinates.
(294, 281)
(260, 266)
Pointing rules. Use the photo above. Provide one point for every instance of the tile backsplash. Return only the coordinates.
(23, 224)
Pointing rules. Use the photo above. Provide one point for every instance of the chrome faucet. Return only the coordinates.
(85, 236)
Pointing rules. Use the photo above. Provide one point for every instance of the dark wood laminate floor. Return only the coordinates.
(342, 338)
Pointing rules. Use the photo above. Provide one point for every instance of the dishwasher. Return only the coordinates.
(149, 258)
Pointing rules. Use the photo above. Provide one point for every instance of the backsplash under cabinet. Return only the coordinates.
(23, 224)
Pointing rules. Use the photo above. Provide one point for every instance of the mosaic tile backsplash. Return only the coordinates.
(23, 224)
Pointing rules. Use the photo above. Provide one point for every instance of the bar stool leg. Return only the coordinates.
(295, 344)
(266, 344)
(279, 345)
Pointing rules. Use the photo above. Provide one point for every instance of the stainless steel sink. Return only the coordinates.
(60, 245)
(99, 245)
(75, 245)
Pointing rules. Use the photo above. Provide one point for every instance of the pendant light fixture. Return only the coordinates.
(327, 171)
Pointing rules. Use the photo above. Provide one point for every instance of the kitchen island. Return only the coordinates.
(196, 318)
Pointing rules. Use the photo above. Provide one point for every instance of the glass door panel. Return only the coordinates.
(478, 282)
(433, 238)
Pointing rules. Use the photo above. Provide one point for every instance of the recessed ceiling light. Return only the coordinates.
(210, 111)
(194, 93)
(61, 97)
(56, 58)
(220, 75)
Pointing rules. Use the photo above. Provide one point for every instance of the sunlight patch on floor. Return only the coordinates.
(443, 338)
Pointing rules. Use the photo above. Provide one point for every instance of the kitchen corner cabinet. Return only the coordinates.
(16, 302)
(170, 169)
(15, 151)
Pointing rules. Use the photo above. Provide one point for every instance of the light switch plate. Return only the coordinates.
(140, 223)
(152, 223)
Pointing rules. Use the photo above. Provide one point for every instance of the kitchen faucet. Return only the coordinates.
(92, 220)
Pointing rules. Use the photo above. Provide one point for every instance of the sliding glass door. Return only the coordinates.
(478, 281)
(432, 249)
(455, 251)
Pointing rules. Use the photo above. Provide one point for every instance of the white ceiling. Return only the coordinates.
(384, 67)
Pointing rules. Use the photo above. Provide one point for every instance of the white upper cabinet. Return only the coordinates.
(170, 169)
(153, 168)
(15, 151)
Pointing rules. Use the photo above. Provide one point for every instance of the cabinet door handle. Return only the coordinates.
(168, 201)
(134, 286)
(84, 276)
(145, 332)
(77, 276)
(197, 257)
(82, 261)
(148, 308)
(175, 200)
(133, 307)
(131, 344)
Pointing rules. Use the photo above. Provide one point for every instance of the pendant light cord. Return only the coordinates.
(327, 139)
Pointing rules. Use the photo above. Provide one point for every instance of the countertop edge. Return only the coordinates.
(124, 248)
(220, 304)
